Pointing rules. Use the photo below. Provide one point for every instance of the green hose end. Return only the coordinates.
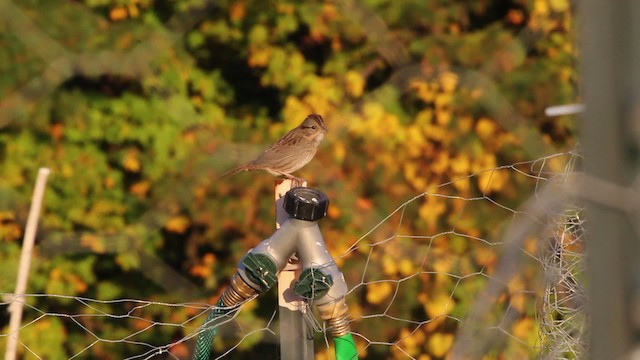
(346, 348)
(205, 339)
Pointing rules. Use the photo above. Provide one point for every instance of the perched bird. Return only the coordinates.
(291, 152)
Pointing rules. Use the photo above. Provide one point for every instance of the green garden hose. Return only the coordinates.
(205, 340)
(345, 348)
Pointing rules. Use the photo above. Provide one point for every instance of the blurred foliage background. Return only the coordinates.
(138, 106)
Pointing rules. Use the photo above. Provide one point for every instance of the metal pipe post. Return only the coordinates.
(611, 134)
(296, 339)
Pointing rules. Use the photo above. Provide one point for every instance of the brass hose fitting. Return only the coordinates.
(237, 292)
(335, 314)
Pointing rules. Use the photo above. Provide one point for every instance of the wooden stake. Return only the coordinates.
(25, 262)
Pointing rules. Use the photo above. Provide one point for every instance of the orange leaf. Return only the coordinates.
(118, 13)
(334, 212)
(364, 204)
(515, 16)
(57, 130)
(140, 189)
(93, 242)
(237, 11)
(177, 224)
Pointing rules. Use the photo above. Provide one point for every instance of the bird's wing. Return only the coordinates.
(276, 155)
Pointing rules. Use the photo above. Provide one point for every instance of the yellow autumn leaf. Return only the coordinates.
(435, 132)
(67, 170)
(196, 100)
(555, 164)
(491, 181)
(410, 170)
(439, 344)
(423, 90)
(440, 163)
(372, 113)
(525, 330)
(319, 85)
(439, 304)
(412, 342)
(6, 216)
(177, 224)
(320, 103)
(391, 125)
(134, 12)
(460, 164)
(448, 81)
(567, 73)
(462, 185)
(540, 7)
(443, 100)
(294, 111)
(559, 5)
(354, 83)
(444, 116)
(424, 117)
(485, 257)
(484, 179)
(43, 325)
(431, 211)
(285, 8)
(415, 141)
(324, 354)
(379, 292)
(516, 284)
(500, 179)
(464, 124)
(389, 265)
(486, 161)
(259, 56)
(518, 301)
(485, 128)
(443, 265)
(406, 267)
(339, 151)
(131, 162)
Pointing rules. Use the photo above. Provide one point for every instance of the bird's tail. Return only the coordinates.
(240, 168)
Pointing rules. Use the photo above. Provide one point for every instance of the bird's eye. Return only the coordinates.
(313, 127)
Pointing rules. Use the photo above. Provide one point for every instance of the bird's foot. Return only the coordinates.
(296, 181)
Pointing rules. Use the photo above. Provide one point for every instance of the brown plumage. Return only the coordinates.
(291, 152)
